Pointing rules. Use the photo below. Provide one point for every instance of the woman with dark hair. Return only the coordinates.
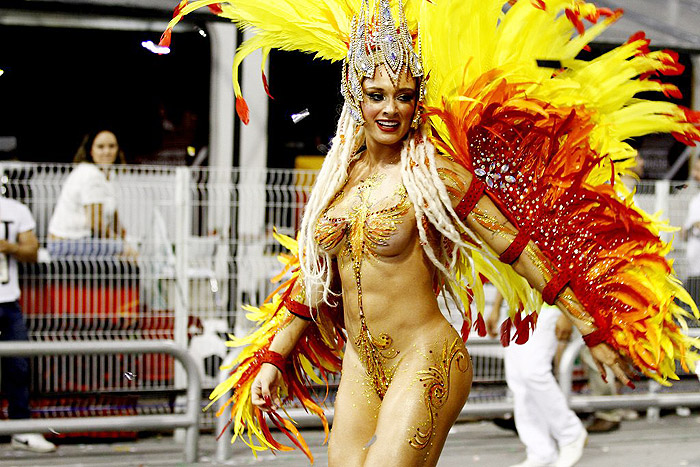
(85, 220)
(106, 141)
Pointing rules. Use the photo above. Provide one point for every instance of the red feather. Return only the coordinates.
(265, 85)
(539, 4)
(480, 325)
(215, 8)
(522, 329)
(465, 330)
(505, 332)
(672, 67)
(640, 36)
(242, 110)
(179, 7)
(575, 20)
(165, 38)
(607, 12)
(266, 431)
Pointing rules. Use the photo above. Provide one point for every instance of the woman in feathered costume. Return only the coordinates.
(457, 158)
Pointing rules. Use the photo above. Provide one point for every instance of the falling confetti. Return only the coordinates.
(129, 375)
(156, 49)
(54, 431)
(296, 118)
(371, 441)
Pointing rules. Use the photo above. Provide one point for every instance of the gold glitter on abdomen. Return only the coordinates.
(364, 232)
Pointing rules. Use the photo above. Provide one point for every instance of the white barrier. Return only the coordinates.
(205, 248)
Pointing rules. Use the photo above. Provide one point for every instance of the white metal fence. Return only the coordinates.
(205, 247)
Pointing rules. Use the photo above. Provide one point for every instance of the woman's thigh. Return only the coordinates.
(427, 393)
(355, 415)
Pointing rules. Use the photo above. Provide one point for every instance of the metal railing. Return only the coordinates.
(493, 408)
(188, 420)
(205, 248)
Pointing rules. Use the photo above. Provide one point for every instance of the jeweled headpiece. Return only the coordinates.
(376, 39)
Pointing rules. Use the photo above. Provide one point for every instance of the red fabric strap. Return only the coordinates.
(298, 309)
(470, 198)
(515, 249)
(554, 287)
(597, 337)
(274, 358)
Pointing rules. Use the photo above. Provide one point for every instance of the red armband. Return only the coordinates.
(597, 337)
(470, 198)
(515, 249)
(298, 309)
(554, 287)
(274, 358)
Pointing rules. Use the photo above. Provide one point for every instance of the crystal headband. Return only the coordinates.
(376, 40)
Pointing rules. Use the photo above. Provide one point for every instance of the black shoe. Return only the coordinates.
(506, 424)
(599, 425)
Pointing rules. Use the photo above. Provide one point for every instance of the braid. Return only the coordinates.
(314, 261)
(431, 201)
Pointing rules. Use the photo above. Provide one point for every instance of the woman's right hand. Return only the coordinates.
(266, 386)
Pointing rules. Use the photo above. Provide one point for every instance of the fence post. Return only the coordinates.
(182, 301)
(252, 206)
(189, 419)
(224, 429)
(662, 189)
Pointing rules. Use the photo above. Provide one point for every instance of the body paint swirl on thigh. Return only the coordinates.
(436, 381)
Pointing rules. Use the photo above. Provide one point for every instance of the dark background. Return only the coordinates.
(59, 83)
(299, 82)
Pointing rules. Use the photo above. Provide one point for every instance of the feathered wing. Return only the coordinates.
(550, 146)
(317, 355)
(317, 27)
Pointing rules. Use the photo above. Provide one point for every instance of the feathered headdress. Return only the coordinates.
(360, 33)
(376, 40)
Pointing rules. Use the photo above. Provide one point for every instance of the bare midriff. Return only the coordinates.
(387, 281)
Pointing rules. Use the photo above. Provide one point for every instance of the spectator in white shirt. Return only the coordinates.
(85, 219)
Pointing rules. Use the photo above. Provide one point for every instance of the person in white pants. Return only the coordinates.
(552, 433)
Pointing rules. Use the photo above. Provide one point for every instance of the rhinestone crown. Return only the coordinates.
(375, 39)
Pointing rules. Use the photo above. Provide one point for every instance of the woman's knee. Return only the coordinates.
(345, 450)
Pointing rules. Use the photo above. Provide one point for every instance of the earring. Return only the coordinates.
(417, 119)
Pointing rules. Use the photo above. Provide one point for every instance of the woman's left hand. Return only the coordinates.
(603, 354)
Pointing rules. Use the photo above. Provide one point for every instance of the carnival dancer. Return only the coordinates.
(472, 143)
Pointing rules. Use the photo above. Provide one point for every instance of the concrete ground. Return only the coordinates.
(669, 441)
